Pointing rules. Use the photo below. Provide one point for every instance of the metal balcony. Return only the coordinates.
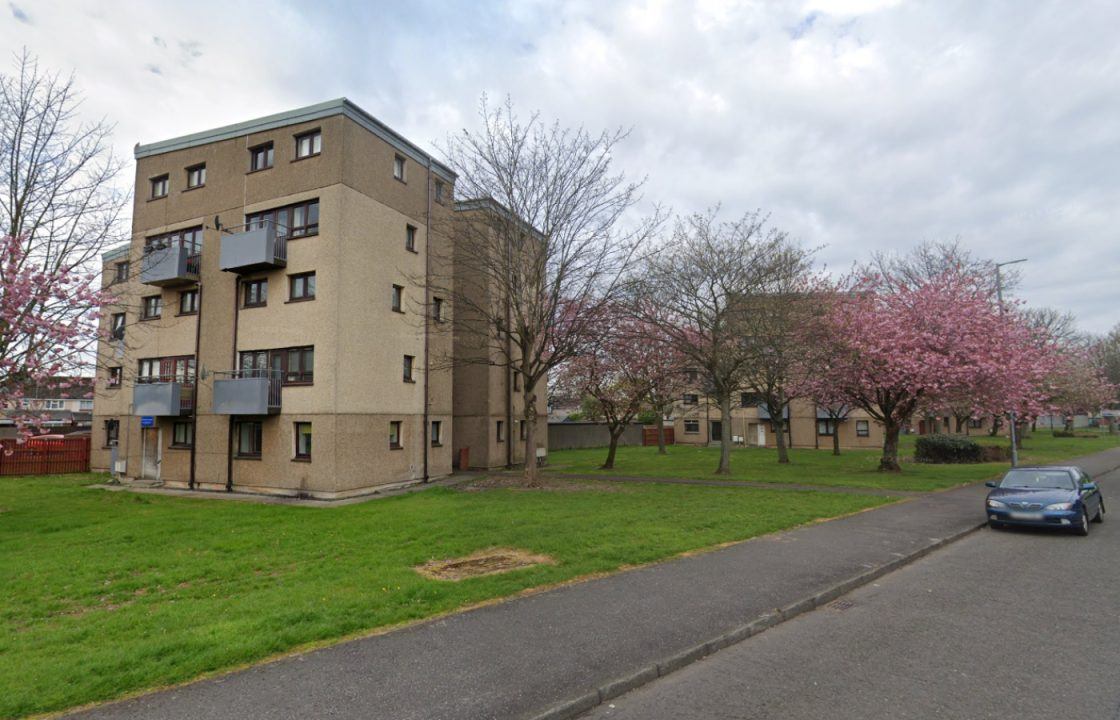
(161, 396)
(247, 392)
(169, 265)
(260, 246)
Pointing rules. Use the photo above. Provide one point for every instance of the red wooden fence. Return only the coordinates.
(45, 457)
(649, 435)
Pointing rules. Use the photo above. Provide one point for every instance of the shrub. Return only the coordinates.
(996, 453)
(947, 449)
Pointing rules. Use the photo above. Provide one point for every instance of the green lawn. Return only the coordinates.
(105, 593)
(854, 468)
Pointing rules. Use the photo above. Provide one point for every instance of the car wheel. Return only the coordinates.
(1100, 513)
(995, 525)
(1083, 528)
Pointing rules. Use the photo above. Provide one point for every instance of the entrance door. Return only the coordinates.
(761, 435)
(716, 430)
(151, 456)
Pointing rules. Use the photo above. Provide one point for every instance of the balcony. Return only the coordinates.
(162, 396)
(262, 245)
(169, 265)
(247, 392)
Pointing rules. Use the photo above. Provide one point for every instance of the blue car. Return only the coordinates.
(1045, 496)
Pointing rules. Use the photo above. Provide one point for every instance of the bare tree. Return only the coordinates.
(540, 244)
(772, 323)
(693, 287)
(1056, 325)
(932, 259)
(57, 174)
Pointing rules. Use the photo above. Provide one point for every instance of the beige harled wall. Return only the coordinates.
(359, 342)
(745, 422)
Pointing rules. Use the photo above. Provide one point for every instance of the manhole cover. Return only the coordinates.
(483, 562)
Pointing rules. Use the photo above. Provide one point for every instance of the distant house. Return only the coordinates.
(65, 402)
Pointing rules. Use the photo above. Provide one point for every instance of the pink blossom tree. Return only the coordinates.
(37, 348)
(1078, 385)
(896, 346)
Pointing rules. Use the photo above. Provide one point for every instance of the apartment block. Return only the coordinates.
(275, 327)
(697, 420)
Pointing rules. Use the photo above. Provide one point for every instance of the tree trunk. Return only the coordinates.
(1069, 423)
(836, 437)
(960, 424)
(780, 437)
(615, 433)
(889, 461)
(724, 435)
(661, 433)
(530, 412)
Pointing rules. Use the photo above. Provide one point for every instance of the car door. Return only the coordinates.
(1091, 499)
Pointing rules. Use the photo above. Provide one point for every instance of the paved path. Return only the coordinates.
(1003, 624)
(520, 658)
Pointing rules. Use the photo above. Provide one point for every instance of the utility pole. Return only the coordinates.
(999, 298)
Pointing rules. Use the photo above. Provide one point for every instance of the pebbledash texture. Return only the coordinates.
(276, 326)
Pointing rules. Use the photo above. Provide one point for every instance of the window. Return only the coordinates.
(148, 370)
(188, 302)
(152, 307)
(121, 274)
(299, 365)
(196, 176)
(54, 404)
(159, 187)
(439, 191)
(298, 220)
(295, 366)
(398, 167)
(256, 293)
(112, 432)
(750, 400)
(691, 426)
(115, 374)
(260, 157)
(166, 369)
(395, 435)
(182, 434)
(437, 433)
(501, 431)
(863, 428)
(248, 439)
(521, 429)
(691, 399)
(190, 238)
(410, 238)
(85, 405)
(516, 380)
(409, 361)
(398, 293)
(309, 144)
(826, 428)
(976, 423)
(437, 309)
(303, 440)
(116, 326)
(301, 287)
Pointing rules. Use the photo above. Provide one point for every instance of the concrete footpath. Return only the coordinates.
(562, 652)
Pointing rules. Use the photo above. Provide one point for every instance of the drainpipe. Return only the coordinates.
(229, 438)
(425, 432)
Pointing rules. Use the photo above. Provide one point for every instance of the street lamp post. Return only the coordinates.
(999, 298)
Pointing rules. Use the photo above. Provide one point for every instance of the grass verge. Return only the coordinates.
(110, 593)
(853, 468)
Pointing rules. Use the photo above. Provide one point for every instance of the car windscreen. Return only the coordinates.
(1038, 480)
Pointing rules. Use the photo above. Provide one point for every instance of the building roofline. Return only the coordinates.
(114, 253)
(330, 108)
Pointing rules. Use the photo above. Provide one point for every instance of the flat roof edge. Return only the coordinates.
(338, 106)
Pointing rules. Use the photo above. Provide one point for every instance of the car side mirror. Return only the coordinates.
(992, 483)
(1089, 487)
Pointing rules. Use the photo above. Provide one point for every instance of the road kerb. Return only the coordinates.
(614, 688)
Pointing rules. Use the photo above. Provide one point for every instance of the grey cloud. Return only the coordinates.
(19, 14)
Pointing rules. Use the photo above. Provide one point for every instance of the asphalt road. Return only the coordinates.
(1014, 623)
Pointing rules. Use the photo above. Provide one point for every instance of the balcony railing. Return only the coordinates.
(167, 265)
(247, 392)
(260, 245)
(163, 395)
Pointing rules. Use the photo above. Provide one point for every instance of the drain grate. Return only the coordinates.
(841, 604)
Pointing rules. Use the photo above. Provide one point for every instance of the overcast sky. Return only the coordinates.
(858, 124)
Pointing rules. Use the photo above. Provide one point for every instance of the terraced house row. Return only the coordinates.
(276, 326)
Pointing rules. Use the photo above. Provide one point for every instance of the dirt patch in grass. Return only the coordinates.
(548, 484)
(484, 562)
